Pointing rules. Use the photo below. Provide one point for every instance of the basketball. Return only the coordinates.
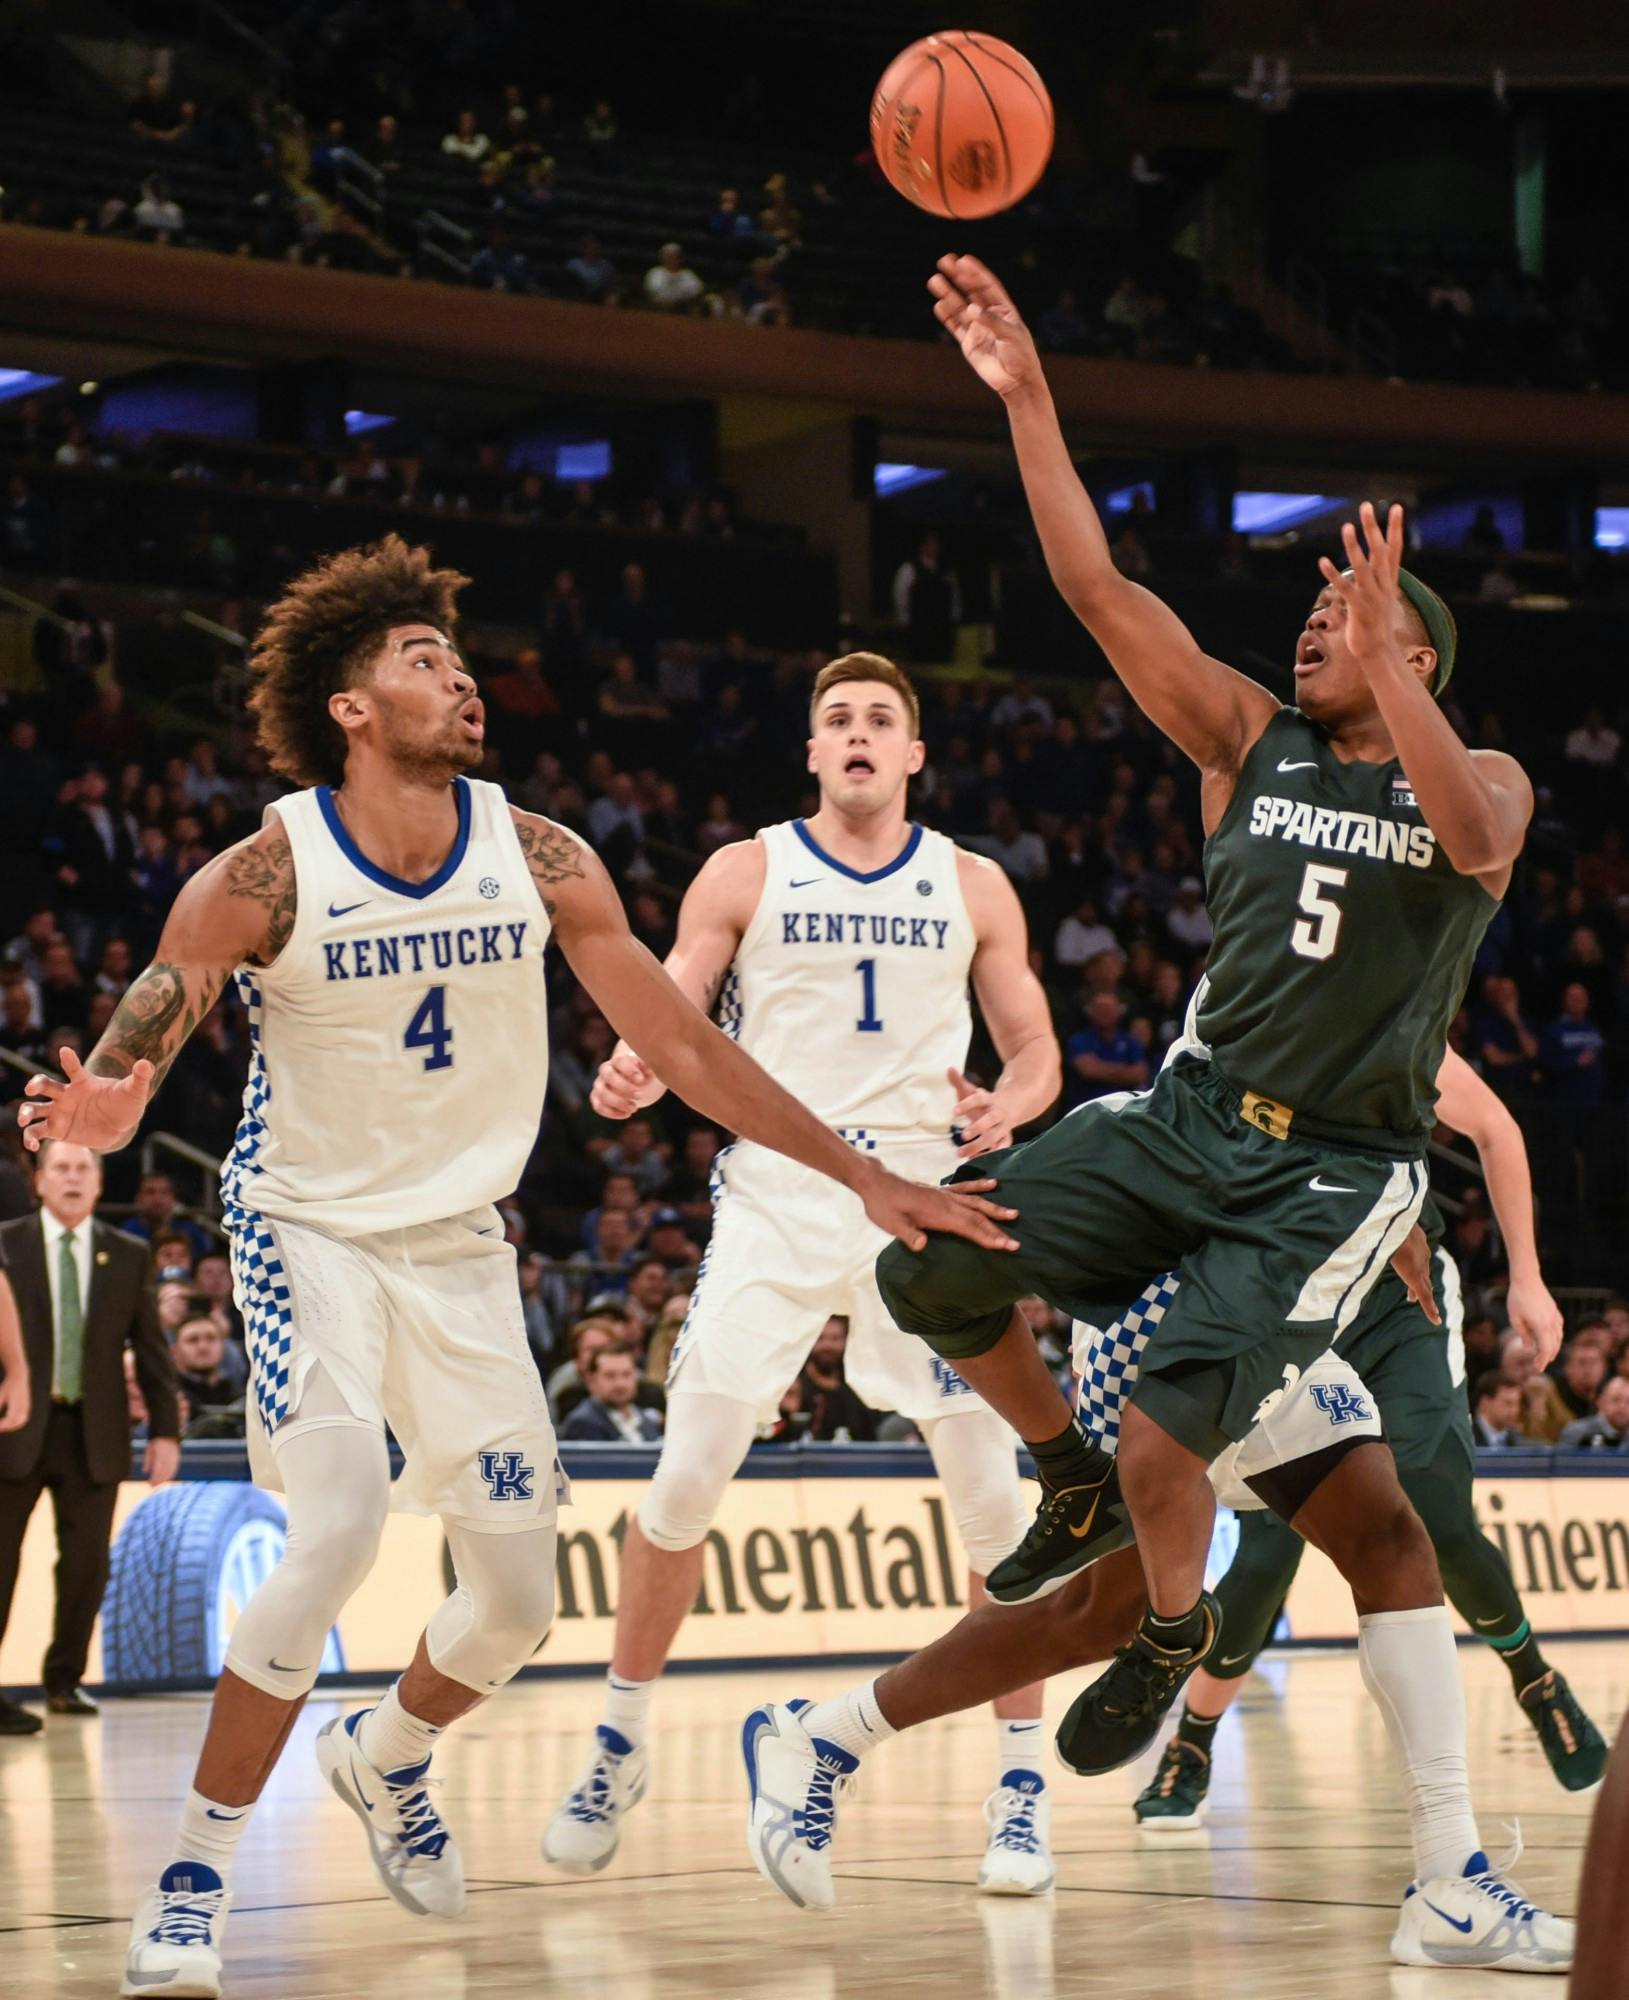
(962, 124)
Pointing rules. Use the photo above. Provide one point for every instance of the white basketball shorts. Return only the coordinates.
(417, 1328)
(1322, 1404)
(789, 1248)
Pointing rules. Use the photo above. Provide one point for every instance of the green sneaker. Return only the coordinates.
(1119, 1715)
(1574, 1746)
(1074, 1526)
(1175, 1798)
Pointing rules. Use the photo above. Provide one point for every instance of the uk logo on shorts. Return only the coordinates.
(1340, 1403)
(506, 1476)
(946, 1380)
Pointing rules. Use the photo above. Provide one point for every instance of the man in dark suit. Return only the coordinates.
(84, 1293)
(611, 1415)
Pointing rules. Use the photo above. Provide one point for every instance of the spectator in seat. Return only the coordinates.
(1572, 1052)
(158, 214)
(636, 1153)
(1021, 854)
(154, 113)
(1062, 328)
(610, 1412)
(1082, 935)
(523, 691)
(592, 272)
(1104, 1055)
(385, 149)
(1583, 1369)
(1505, 1047)
(928, 601)
(600, 130)
(1607, 1428)
(648, 1287)
(668, 1239)
(729, 222)
(467, 141)
(670, 284)
(1594, 741)
(1187, 919)
(199, 1350)
(1496, 1415)
(568, 1385)
(157, 1214)
(835, 1412)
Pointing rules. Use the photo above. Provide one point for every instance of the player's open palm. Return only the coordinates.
(625, 1084)
(1367, 588)
(101, 1112)
(912, 1213)
(969, 301)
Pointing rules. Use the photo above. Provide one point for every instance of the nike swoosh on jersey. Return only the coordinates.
(1454, 1922)
(1328, 1187)
(808, 884)
(333, 912)
(1311, 764)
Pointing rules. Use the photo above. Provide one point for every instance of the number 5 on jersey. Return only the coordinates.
(1316, 938)
(428, 1029)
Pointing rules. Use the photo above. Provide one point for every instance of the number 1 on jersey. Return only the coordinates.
(428, 1029)
(868, 1024)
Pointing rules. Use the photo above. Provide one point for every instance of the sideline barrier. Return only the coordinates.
(820, 1553)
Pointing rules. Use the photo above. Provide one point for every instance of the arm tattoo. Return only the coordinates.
(264, 873)
(154, 1018)
(551, 855)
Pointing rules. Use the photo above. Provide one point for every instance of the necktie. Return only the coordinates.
(70, 1323)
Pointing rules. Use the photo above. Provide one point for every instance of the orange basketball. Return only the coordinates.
(962, 124)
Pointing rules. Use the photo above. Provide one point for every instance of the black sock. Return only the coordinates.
(1197, 1730)
(1072, 1458)
(1177, 1635)
(1525, 1662)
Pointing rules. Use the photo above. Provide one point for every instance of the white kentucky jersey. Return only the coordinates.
(399, 1042)
(851, 988)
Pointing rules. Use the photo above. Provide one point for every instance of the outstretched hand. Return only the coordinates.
(980, 1122)
(1367, 588)
(1412, 1264)
(912, 1213)
(970, 302)
(97, 1111)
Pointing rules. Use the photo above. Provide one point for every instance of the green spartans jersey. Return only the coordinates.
(1344, 941)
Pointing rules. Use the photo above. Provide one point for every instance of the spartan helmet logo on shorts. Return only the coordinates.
(974, 165)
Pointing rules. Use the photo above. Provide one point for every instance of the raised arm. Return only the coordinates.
(1013, 1004)
(1210, 711)
(704, 1066)
(1477, 802)
(1465, 1102)
(239, 908)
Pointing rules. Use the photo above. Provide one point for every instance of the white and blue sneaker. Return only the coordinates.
(795, 1780)
(1018, 1861)
(414, 1855)
(175, 1935)
(1480, 1919)
(583, 1834)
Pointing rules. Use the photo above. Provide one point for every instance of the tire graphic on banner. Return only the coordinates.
(185, 1564)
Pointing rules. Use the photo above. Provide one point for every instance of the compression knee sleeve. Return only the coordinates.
(1475, 1576)
(975, 1456)
(336, 1479)
(498, 1616)
(706, 1439)
(1252, 1591)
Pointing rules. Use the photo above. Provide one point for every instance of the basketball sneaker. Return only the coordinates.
(1575, 1747)
(795, 1781)
(583, 1834)
(1174, 1799)
(1120, 1714)
(1480, 1919)
(175, 1935)
(1018, 1861)
(1074, 1527)
(414, 1855)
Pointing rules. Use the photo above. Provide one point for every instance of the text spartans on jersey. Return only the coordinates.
(1341, 832)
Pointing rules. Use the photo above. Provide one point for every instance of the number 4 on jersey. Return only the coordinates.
(1316, 939)
(428, 1029)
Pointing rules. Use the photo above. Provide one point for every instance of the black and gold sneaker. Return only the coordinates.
(1120, 1714)
(1174, 1799)
(1575, 1747)
(1074, 1527)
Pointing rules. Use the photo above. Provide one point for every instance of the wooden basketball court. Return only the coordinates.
(1289, 1893)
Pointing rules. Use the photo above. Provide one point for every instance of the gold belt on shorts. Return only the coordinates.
(1266, 1114)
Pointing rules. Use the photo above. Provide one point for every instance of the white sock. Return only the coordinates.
(627, 1707)
(210, 1832)
(1411, 1668)
(392, 1739)
(852, 1721)
(1018, 1746)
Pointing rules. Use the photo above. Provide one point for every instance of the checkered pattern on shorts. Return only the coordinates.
(860, 1137)
(1109, 1357)
(268, 1311)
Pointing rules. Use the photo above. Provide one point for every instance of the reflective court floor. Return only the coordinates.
(1289, 1893)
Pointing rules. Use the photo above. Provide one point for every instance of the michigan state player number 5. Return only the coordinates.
(1315, 933)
